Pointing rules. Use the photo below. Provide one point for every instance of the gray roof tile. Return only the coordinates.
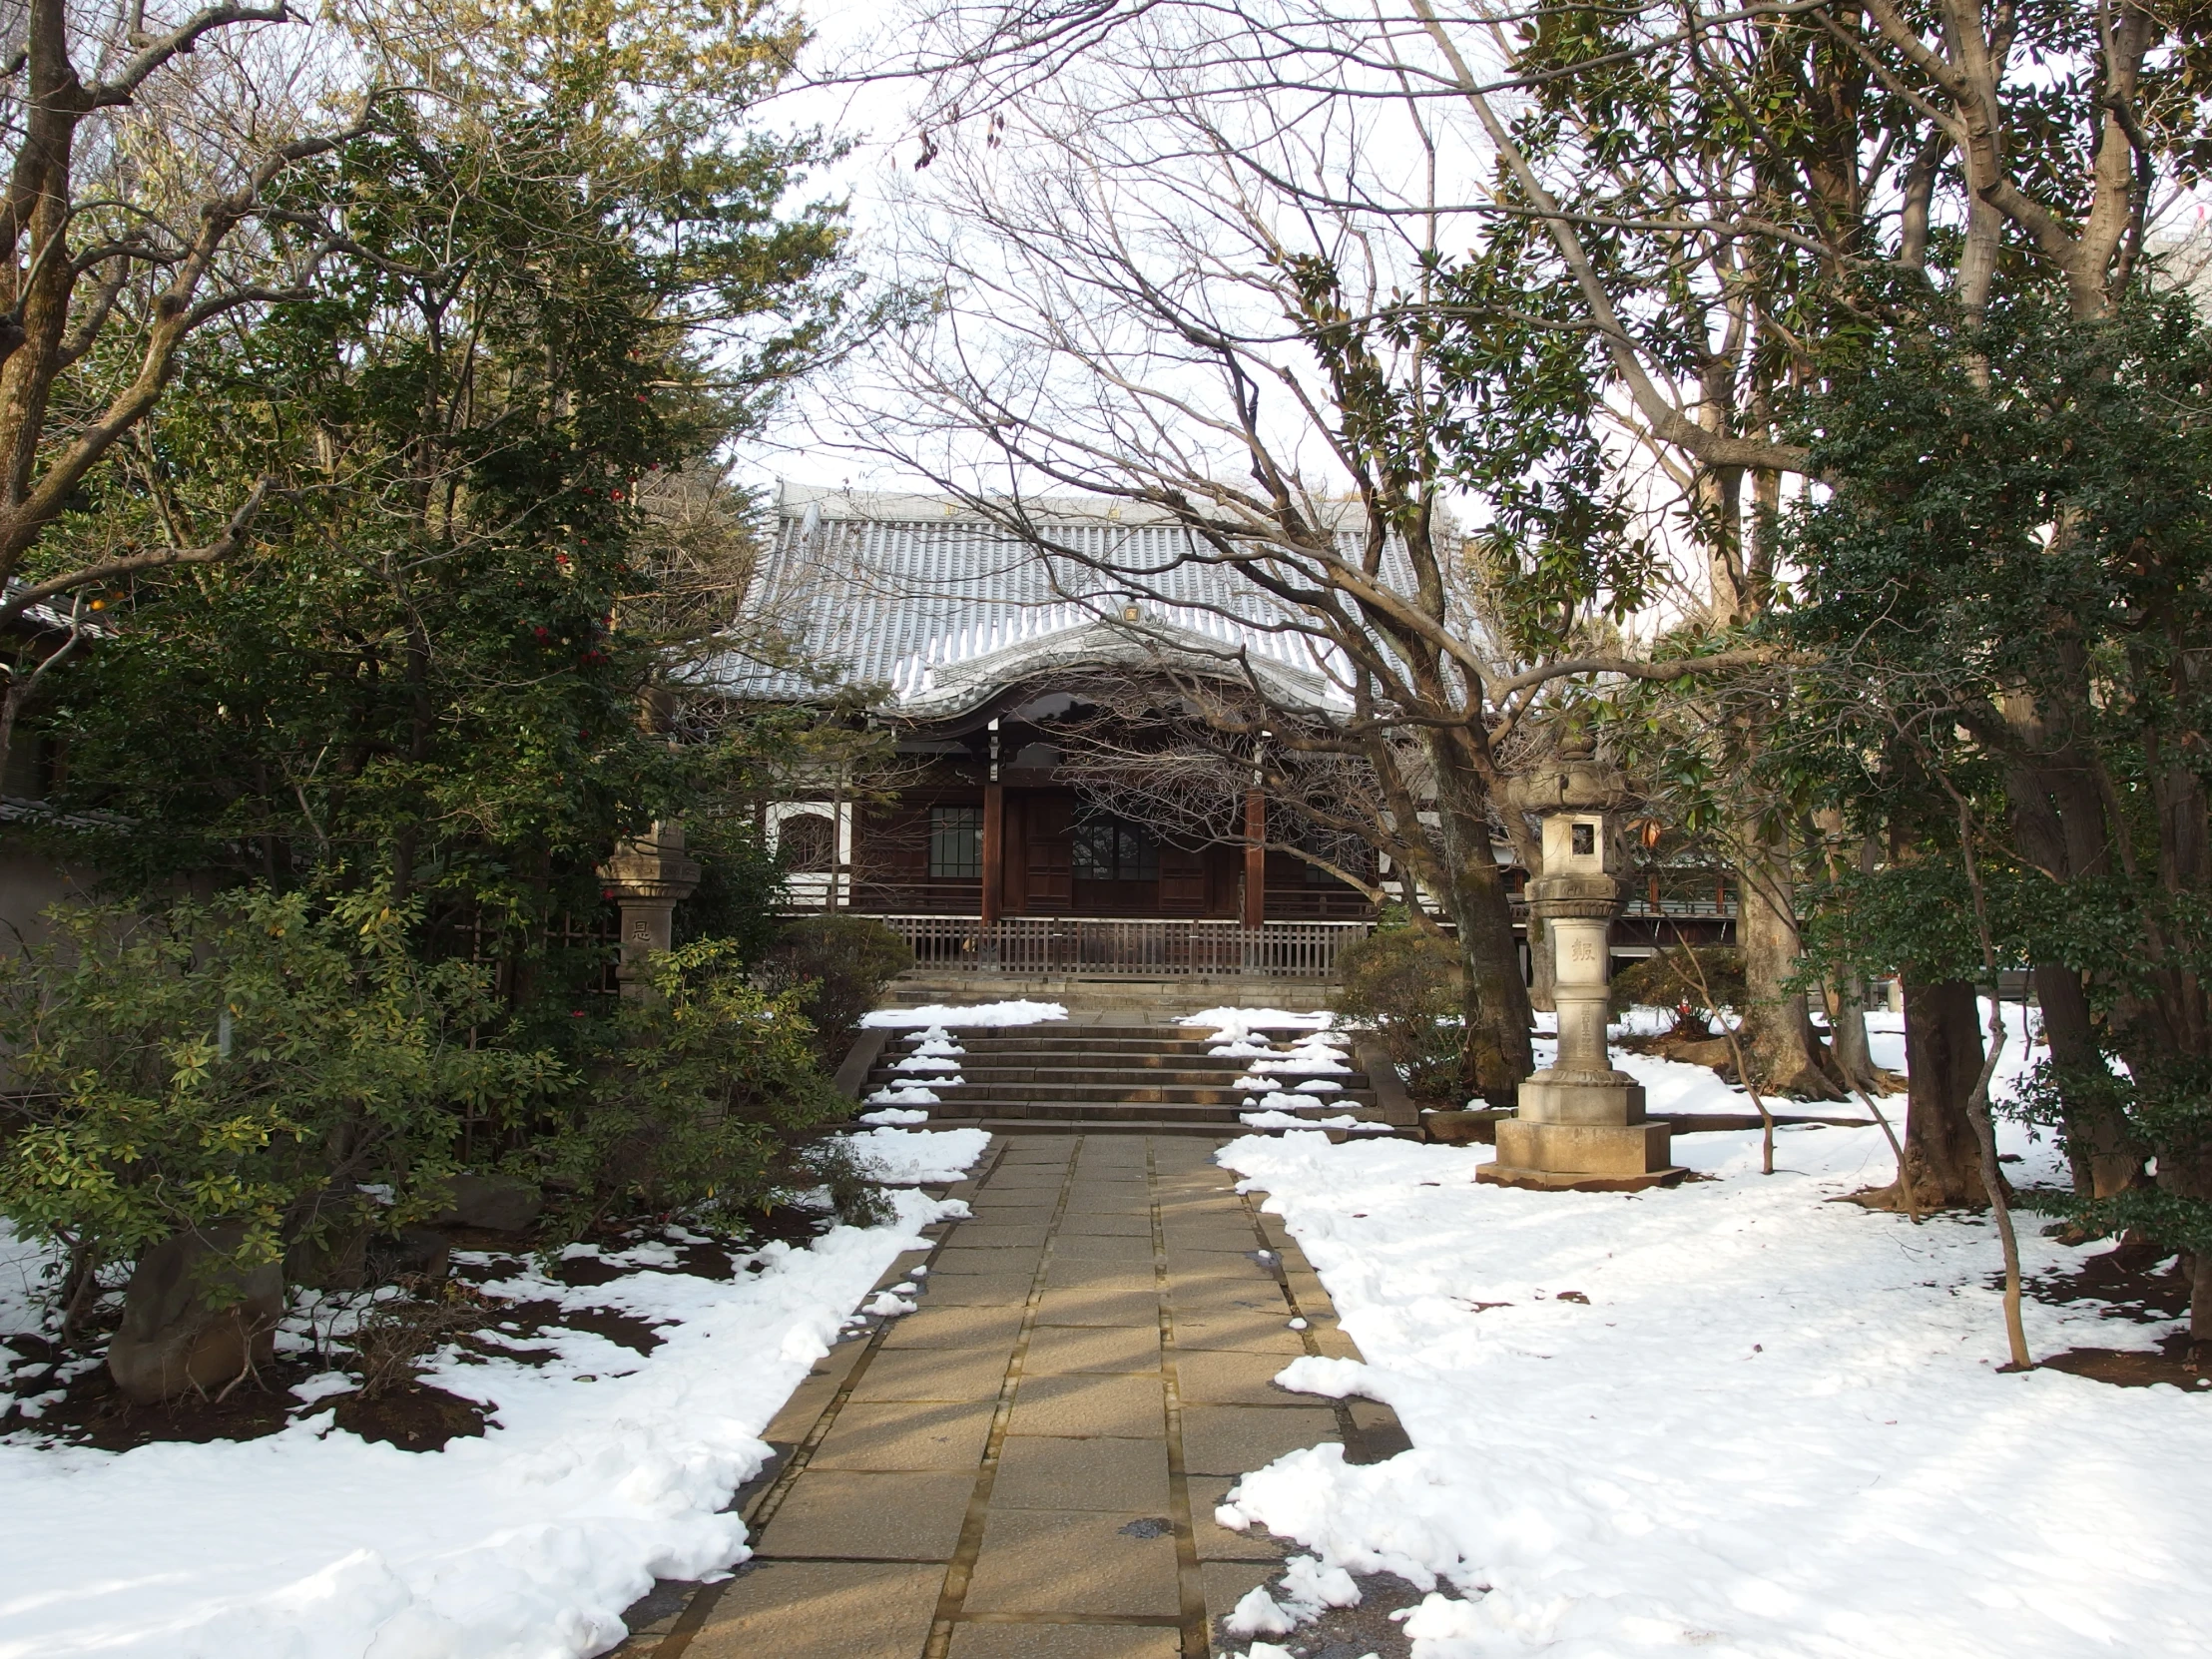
(873, 590)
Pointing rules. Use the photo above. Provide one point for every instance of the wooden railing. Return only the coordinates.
(1135, 949)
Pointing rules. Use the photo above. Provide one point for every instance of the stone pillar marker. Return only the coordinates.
(1580, 1125)
(647, 878)
(995, 840)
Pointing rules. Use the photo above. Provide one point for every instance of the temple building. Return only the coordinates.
(977, 658)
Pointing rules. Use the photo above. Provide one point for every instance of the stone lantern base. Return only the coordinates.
(1584, 1132)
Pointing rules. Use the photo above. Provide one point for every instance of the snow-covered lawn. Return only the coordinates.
(1775, 1427)
(603, 1469)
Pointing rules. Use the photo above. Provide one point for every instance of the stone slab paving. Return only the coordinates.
(1028, 1468)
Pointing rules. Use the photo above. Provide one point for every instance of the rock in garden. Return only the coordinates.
(492, 1202)
(331, 1264)
(173, 1338)
(412, 1253)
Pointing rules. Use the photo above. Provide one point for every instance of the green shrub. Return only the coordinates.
(259, 1059)
(1695, 982)
(837, 966)
(703, 1105)
(1405, 986)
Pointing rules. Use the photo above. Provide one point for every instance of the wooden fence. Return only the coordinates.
(1136, 950)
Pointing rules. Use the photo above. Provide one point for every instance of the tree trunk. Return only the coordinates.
(1543, 972)
(2200, 1307)
(1853, 1059)
(2104, 1157)
(1943, 1057)
(1782, 1045)
(1498, 1053)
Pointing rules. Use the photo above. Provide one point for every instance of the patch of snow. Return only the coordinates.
(1241, 1049)
(1319, 1085)
(1775, 1427)
(905, 1094)
(322, 1386)
(946, 1016)
(915, 1155)
(1274, 1118)
(895, 1115)
(602, 1471)
(1275, 1100)
(923, 1061)
(1257, 1615)
(1230, 1024)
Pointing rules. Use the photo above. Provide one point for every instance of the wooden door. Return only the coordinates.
(1014, 875)
(1182, 880)
(1047, 865)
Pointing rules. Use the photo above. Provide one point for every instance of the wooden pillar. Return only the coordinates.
(995, 850)
(1256, 858)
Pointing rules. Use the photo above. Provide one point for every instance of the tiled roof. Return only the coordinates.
(902, 591)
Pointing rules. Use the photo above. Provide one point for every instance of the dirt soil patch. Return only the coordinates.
(2134, 1285)
(98, 1413)
(2125, 1368)
(1348, 1632)
(415, 1418)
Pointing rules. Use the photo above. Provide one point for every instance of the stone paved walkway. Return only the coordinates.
(1028, 1468)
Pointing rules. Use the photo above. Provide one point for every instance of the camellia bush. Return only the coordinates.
(838, 966)
(294, 1070)
(1403, 984)
(705, 1104)
(279, 1063)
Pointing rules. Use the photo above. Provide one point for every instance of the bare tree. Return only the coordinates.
(145, 157)
(1633, 182)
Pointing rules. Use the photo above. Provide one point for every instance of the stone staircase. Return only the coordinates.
(1058, 1078)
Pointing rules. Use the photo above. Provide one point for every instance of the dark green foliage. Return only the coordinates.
(423, 678)
(257, 1059)
(1696, 982)
(837, 967)
(1405, 986)
(698, 1103)
(2008, 593)
(400, 734)
(740, 888)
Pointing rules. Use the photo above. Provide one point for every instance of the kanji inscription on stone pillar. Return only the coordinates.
(648, 878)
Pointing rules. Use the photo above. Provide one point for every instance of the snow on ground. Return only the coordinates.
(603, 1470)
(980, 1013)
(909, 1155)
(1775, 1428)
(1274, 1115)
(1670, 1086)
(1237, 1024)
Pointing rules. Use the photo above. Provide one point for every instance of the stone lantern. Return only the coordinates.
(647, 878)
(1580, 1124)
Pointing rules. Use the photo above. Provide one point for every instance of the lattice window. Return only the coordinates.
(807, 841)
(1108, 848)
(955, 841)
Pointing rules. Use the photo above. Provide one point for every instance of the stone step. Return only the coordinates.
(1220, 1077)
(1131, 1094)
(1186, 1067)
(1065, 1111)
(1141, 1126)
(1123, 1041)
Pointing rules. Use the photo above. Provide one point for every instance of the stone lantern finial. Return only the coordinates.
(1580, 1124)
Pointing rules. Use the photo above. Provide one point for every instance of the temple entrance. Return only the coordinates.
(1061, 857)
